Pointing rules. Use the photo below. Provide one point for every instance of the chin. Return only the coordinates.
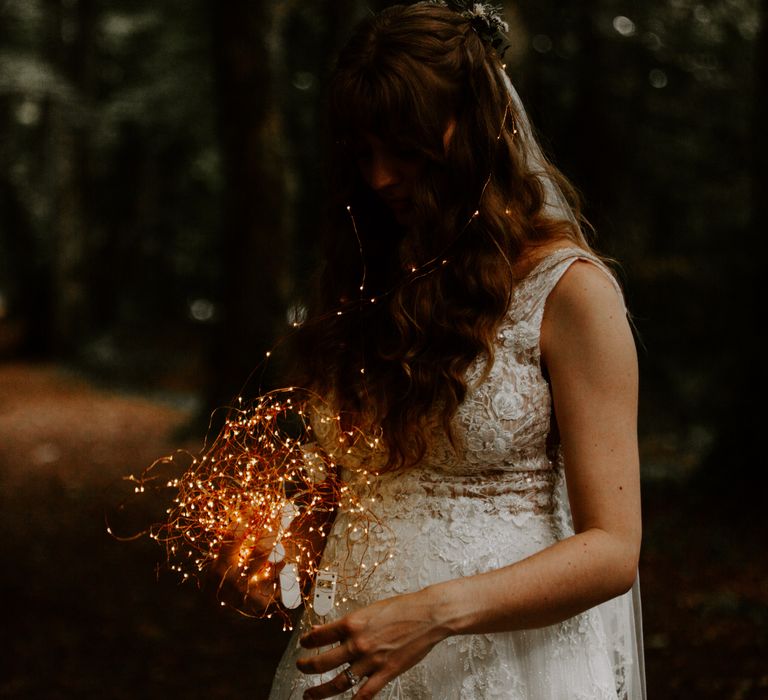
(403, 215)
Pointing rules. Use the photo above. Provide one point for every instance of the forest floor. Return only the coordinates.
(87, 616)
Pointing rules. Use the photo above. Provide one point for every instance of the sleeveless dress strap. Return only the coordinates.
(535, 288)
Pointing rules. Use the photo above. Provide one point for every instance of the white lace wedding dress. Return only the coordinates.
(502, 500)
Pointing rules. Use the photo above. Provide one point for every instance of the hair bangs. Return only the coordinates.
(381, 100)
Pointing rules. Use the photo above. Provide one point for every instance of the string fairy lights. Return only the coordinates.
(252, 510)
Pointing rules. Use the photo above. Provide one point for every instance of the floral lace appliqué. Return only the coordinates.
(498, 498)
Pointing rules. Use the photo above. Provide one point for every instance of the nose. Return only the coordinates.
(382, 171)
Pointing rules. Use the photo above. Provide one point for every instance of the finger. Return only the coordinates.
(262, 589)
(263, 571)
(326, 661)
(245, 590)
(370, 686)
(324, 635)
(254, 553)
(236, 559)
(338, 684)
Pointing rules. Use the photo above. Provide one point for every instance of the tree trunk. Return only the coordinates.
(760, 158)
(72, 41)
(739, 445)
(255, 242)
(589, 145)
(755, 252)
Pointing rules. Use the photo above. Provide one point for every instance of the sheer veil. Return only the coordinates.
(621, 616)
(555, 201)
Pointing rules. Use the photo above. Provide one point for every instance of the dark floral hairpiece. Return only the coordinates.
(485, 19)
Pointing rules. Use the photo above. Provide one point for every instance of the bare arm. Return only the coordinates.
(589, 353)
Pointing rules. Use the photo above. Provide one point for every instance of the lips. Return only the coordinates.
(396, 202)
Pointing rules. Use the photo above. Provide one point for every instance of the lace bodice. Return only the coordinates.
(503, 425)
(504, 421)
(495, 500)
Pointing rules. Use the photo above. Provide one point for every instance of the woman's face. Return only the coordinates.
(391, 173)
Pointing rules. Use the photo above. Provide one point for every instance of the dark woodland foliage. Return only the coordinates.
(162, 195)
(162, 183)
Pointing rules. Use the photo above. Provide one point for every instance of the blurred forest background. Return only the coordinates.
(161, 186)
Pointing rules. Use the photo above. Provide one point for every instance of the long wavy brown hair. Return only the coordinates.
(400, 362)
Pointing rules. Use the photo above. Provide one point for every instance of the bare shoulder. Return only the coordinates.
(586, 288)
(584, 311)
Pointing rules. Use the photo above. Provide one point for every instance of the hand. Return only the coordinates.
(255, 585)
(245, 572)
(376, 644)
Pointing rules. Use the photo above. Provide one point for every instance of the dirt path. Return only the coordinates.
(87, 616)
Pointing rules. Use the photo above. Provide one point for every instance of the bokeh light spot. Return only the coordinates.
(202, 310)
(658, 78)
(623, 25)
(542, 43)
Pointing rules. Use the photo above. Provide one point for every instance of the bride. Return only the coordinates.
(486, 340)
